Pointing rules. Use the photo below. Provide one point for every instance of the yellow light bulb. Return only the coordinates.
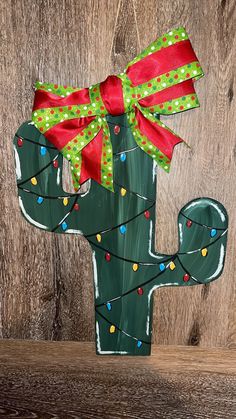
(34, 181)
(135, 267)
(204, 252)
(99, 238)
(172, 266)
(123, 191)
(65, 201)
(112, 329)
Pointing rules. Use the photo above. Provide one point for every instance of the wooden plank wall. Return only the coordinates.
(46, 289)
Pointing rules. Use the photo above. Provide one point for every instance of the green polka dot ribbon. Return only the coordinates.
(159, 81)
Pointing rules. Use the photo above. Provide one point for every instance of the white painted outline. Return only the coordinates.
(150, 243)
(72, 231)
(154, 171)
(58, 175)
(27, 216)
(18, 166)
(99, 345)
(214, 205)
(95, 274)
(220, 264)
(169, 284)
(180, 233)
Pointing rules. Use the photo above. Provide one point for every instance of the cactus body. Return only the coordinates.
(120, 228)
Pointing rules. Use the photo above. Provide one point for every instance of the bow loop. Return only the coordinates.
(159, 81)
(153, 137)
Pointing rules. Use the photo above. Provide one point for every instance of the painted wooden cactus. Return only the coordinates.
(120, 228)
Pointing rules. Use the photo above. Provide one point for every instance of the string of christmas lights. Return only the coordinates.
(68, 195)
(123, 192)
(120, 125)
(63, 222)
(21, 140)
(114, 327)
(118, 153)
(140, 291)
(169, 262)
(33, 179)
(190, 221)
(203, 249)
(46, 146)
(121, 226)
(146, 212)
(162, 267)
(108, 254)
(139, 287)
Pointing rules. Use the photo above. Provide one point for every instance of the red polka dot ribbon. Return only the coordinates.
(159, 81)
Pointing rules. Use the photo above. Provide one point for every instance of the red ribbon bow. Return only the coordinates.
(158, 81)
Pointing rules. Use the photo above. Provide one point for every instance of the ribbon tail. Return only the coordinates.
(153, 137)
(107, 159)
(94, 161)
(73, 150)
(75, 166)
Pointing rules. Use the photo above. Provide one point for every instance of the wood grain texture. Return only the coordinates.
(46, 289)
(67, 380)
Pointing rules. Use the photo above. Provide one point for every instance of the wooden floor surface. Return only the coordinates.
(67, 380)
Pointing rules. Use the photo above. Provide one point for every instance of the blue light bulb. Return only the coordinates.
(123, 157)
(40, 200)
(213, 232)
(162, 267)
(139, 344)
(43, 151)
(64, 226)
(123, 229)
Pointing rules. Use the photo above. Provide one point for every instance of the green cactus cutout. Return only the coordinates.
(120, 228)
